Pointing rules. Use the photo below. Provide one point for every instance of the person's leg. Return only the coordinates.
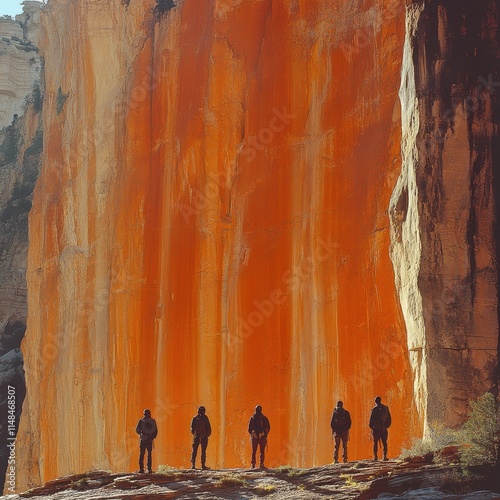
(142, 449)
(255, 443)
(376, 437)
(196, 443)
(345, 436)
(383, 436)
(262, 443)
(204, 444)
(336, 449)
(150, 456)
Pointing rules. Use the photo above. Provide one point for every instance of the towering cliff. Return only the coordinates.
(445, 208)
(212, 226)
(20, 152)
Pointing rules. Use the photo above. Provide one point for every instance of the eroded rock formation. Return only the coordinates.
(20, 64)
(20, 157)
(446, 204)
(211, 226)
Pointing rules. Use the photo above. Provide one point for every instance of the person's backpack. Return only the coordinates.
(340, 417)
(200, 426)
(148, 429)
(382, 420)
(259, 425)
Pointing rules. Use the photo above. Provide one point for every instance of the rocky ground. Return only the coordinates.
(362, 480)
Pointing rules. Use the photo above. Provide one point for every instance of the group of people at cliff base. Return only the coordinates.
(380, 421)
(259, 427)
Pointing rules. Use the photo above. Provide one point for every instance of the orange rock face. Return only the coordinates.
(210, 227)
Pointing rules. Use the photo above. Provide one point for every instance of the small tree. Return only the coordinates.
(481, 433)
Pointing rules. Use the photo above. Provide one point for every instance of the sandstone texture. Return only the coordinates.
(445, 207)
(240, 204)
(210, 227)
(20, 63)
(21, 141)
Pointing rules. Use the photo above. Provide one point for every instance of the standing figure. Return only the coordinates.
(201, 430)
(259, 428)
(380, 421)
(147, 430)
(340, 424)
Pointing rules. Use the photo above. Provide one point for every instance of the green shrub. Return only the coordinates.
(10, 146)
(36, 97)
(439, 437)
(264, 489)
(481, 434)
(81, 484)
(167, 470)
(232, 480)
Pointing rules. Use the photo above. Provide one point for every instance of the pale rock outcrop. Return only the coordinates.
(20, 63)
(445, 208)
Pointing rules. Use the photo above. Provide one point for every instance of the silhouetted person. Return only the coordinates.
(147, 430)
(340, 424)
(201, 430)
(259, 428)
(380, 421)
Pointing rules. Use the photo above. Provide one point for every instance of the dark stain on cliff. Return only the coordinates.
(496, 227)
(457, 64)
(162, 7)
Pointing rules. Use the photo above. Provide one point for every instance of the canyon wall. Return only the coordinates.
(444, 210)
(210, 227)
(21, 141)
(220, 200)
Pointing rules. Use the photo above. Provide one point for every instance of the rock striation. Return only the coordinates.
(245, 202)
(210, 225)
(445, 207)
(21, 141)
(20, 63)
